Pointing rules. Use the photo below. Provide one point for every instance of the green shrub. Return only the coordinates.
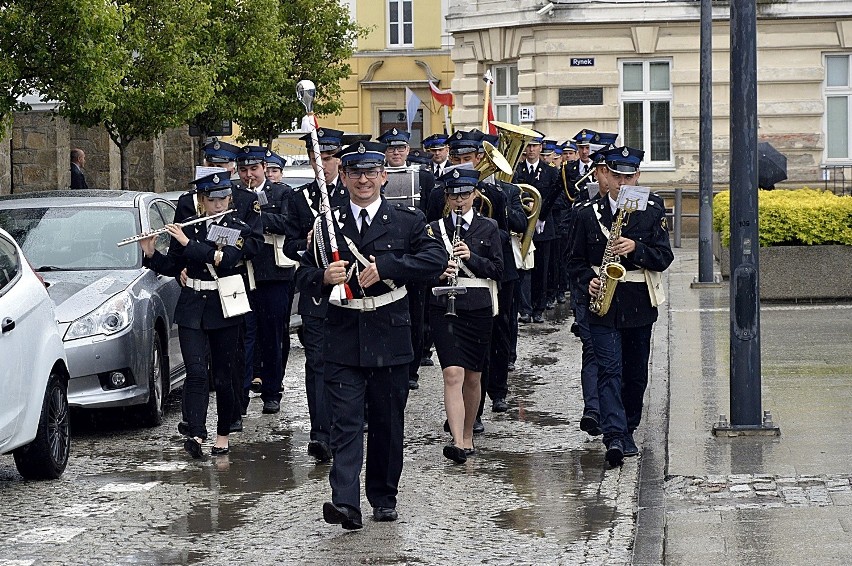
(801, 217)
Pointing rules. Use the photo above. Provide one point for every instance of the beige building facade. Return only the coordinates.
(633, 68)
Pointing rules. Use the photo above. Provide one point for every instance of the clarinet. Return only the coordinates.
(453, 279)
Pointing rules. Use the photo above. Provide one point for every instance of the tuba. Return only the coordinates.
(511, 144)
(492, 163)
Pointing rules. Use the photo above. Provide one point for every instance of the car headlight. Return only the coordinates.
(113, 316)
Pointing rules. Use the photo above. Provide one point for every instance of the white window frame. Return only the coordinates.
(400, 24)
(647, 96)
(838, 91)
(508, 100)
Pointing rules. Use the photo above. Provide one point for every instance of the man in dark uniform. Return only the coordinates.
(621, 337)
(533, 171)
(396, 156)
(439, 150)
(366, 348)
(303, 207)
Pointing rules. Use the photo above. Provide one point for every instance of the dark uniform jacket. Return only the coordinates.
(300, 221)
(404, 251)
(546, 179)
(78, 179)
(486, 260)
(273, 217)
(569, 174)
(202, 309)
(631, 304)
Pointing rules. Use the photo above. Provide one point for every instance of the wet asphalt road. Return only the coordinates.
(537, 492)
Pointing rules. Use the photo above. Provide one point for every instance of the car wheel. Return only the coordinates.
(152, 411)
(46, 456)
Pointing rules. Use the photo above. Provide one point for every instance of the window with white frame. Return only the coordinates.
(400, 23)
(838, 106)
(646, 109)
(505, 93)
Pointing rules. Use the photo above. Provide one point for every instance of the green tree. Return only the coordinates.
(321, 37)
(160, 78)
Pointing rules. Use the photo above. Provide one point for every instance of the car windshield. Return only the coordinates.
(74, 239)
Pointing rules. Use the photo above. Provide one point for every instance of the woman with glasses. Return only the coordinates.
(467, 288)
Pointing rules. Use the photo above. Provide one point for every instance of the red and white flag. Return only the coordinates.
(442, 97)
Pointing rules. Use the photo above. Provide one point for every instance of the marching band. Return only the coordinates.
(390, 252)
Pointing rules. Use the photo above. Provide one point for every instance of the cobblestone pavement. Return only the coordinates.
(537, 492)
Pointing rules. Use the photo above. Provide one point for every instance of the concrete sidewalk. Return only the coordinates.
(749, 500)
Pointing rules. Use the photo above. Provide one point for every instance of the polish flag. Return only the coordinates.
(442, 97)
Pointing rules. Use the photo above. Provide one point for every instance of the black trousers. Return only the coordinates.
(270, 302)
(223, 345)
(311, 334)
(417, 312)
(386, 390)
(495, 378)
(538, 284)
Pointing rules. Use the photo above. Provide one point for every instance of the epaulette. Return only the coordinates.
(236, 220)
(405, 208)
(587, 203)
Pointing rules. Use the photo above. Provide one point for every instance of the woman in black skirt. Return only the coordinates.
(199, 313)
(462, 341)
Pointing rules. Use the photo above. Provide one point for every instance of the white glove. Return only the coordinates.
(539, 226)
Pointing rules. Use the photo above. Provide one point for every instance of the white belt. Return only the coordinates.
(200, 285)
(474, 282)
(636, 276)
(372, 303)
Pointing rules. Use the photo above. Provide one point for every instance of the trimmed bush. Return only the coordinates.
(801, 217)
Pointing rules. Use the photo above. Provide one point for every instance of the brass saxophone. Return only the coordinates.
(611, 269)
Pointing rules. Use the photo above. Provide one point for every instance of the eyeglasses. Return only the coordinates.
(460, 196)
(397, 148)
(372, 174)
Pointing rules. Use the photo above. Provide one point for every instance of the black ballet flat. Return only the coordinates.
(455, 454)
(193, 447)
(470, 452)
(216, 451)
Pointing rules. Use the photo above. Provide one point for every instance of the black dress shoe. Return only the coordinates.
(478, 427)
(615, 453)
(538, 318)
(589, 423)
(193, 447)
(499, 406)
(412, 384)
(525, 318)
(236, 426)
(455, 454)
(470, 452)
(575, 329)
(446, 425)
(342, 515)
(630, 448)
(270, 407)
(319, 450)
(216, 451)
(427, 362)
(183, 428)
(256, 385)
(383, 514)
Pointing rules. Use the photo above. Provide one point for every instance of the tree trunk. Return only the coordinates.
(124, 159)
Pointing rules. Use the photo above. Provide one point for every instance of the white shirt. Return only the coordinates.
(584, 167)
(372, 209)
(532, 166)
(467, 217)
(613, 205)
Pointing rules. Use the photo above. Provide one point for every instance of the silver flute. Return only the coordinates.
(158, 231)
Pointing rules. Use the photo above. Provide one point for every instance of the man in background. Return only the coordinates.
(78, 161)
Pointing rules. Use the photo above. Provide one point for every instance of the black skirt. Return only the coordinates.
(463, 340)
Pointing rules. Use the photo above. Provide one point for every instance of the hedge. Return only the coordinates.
(800, 217)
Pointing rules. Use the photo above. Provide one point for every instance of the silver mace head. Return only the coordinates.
(306, 91)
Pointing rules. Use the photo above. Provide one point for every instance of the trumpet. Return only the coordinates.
(163, 230)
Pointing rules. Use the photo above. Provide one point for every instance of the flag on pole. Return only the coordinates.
(489, 104)
(412, 103)
(442, 97)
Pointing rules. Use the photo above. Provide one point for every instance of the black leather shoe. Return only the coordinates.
(538, 318)
(478, 427)
(270, 407)
(256, 385)
(412, 384)
(236, 426)
(589, 423)
(193, 447)
(615, 453)
(525, 318)
(499, 406)
(446, 425)
(470, 452)
(427, 362)
(183, 428)
(346, 517)
(216, 451)
(319, 450)
(383, 514)
(630, 448)
(455, 454)
(575, 329)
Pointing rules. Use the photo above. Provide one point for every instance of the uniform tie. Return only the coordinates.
(365, 224)
(462, 223)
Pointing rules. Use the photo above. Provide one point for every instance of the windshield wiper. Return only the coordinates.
(44, 268)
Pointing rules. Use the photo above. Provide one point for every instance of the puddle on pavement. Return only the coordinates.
(538, 361)
(164, 557)
(562, 490)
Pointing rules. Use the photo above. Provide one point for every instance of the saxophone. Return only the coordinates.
(611, 269)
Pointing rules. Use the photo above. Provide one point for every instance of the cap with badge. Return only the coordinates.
(252, 154)
(362, 155)
(329, 140)
(625, 160)
(462, 142)
(274, 160)
(435, 141)
(220, 152)
(394, 137)
(584, 137)
(569, 146)
(536, 140)
(215, 185)
(548, 147)
(460, 180)
(604, 139)
(420, 157)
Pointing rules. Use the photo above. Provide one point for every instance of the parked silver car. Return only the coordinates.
(115, 317)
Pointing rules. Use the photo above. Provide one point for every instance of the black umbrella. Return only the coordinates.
(771, 166)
